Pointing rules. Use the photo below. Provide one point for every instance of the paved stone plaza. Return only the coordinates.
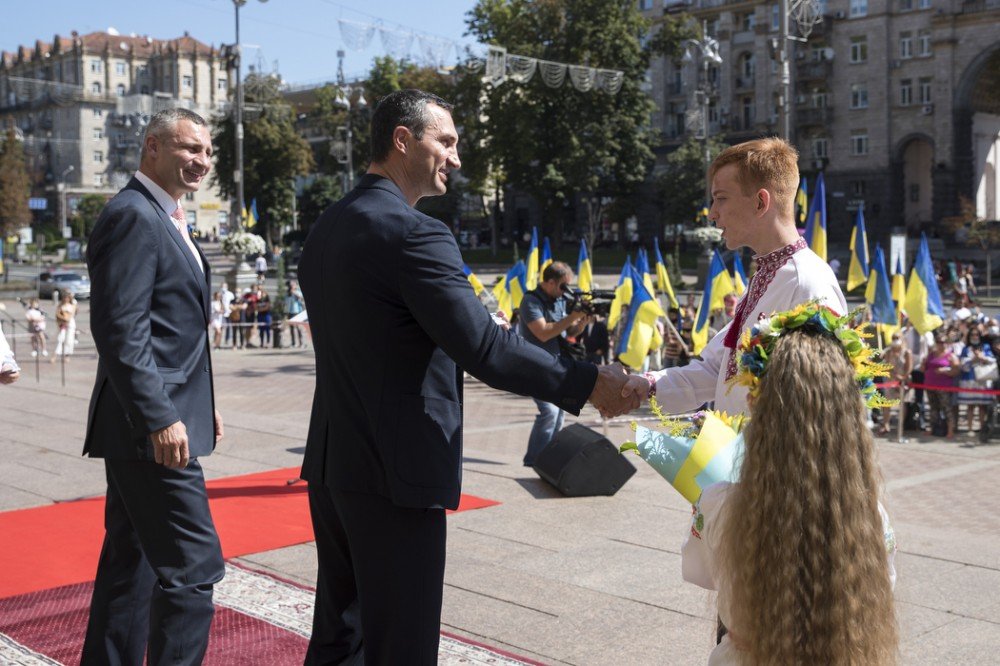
(563, 581)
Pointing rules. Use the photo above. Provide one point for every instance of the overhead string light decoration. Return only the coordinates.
(497, 65)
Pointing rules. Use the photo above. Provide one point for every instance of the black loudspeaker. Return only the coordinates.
(581, 462)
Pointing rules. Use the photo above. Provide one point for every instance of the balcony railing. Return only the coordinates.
(813, 116)
(814, 70)
(977, 6)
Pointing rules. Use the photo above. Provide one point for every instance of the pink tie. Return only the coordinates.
(180, 221)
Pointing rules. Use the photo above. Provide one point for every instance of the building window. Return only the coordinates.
(222, 83)
(820, 100)
(858, 188)
(859, 143)
(98, 112)
(905, 5)
(120, 68)
(142, 70)
(189, 196)
(98, 180)
(859, 96)
(906, 92)
(96, 66)
(748, 21)
(859, 8)
(98, 133)
(817, 53)
(859, 49)
(187, 82)
(98, 157)
(749, 112)
(820, 148)
(144, 90)
(747, 66)
(120, 90)
(775, 17)
(924, 4)
(645, 4)
(713, 27)
(924, 43)
(925, 91)
(95, 88)
(906, 45)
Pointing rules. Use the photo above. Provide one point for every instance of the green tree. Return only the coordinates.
(15, 186)
(554, 142)
(316, 197)
(682, 183)
(274, 154)
(978, 231)
(87, 211)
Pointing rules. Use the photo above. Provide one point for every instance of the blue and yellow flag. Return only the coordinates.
(546, 257)
(662, 279)
(899, 283)
(857, 273)
(511, 289)
(702, 216)
(923, 298)
(640, 328)
(623, 294)
(717, 285)
(883, 309)
(476, 283)
(739, 275)
(802, 200)
(251, 215)
(584, 271)
(531, 262)
(642, 267)
(816, 221)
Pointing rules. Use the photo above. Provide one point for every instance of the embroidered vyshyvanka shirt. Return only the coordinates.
(785, 278)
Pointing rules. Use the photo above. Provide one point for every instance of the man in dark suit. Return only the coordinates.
(152, 411)
(394, 323)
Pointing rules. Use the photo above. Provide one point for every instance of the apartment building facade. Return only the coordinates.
(897, 102)
(81, 103)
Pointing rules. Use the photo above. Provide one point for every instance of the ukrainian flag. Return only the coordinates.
(923, 298)
(882, 307)
(251, 216)
(899, 283)
(739, 275)
(717, 285)
(531, 278)
(802, 200)
(640, 327)
(642, 267)
(476, 283)
(511, 289)
(584, 271)
(857, 273)
(816, 221)
(623, 294)
(702, 216)
(662, 278)
(546, 257)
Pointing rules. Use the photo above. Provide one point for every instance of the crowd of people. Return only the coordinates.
(247, 320)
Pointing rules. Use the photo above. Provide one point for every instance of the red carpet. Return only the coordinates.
(58, 544)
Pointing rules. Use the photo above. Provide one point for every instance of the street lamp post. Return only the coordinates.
(344, 100)
(238, 119)
(62, 200)
(706, 51)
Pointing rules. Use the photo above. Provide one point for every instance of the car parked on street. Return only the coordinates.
(56, 283)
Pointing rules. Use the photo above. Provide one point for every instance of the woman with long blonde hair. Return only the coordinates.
(800, 549)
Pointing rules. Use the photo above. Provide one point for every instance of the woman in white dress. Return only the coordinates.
(800, 549)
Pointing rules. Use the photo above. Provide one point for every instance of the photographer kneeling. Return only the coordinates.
(544, 322)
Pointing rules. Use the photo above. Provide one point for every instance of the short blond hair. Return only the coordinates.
(771, 164)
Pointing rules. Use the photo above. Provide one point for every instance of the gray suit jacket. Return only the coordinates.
(149, 318)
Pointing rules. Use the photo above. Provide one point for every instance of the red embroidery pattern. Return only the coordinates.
(767, 268)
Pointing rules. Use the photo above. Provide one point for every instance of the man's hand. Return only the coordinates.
(170, 445)
(219, 430)
(8, 375)
(637, 385)
(609, 395)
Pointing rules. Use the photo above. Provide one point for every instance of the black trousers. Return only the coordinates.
(381, 572)
(160, 559)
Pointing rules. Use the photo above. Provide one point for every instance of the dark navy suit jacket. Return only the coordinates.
(149, 313)
(395, 322)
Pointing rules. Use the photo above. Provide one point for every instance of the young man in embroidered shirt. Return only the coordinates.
(753, 190)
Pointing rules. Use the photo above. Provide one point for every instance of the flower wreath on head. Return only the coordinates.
(757, 345)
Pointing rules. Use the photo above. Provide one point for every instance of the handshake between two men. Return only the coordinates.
(616, 391)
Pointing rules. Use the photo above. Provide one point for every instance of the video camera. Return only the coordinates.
(594, 302)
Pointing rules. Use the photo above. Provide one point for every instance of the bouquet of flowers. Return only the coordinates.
(241, 243)
(691, 455)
